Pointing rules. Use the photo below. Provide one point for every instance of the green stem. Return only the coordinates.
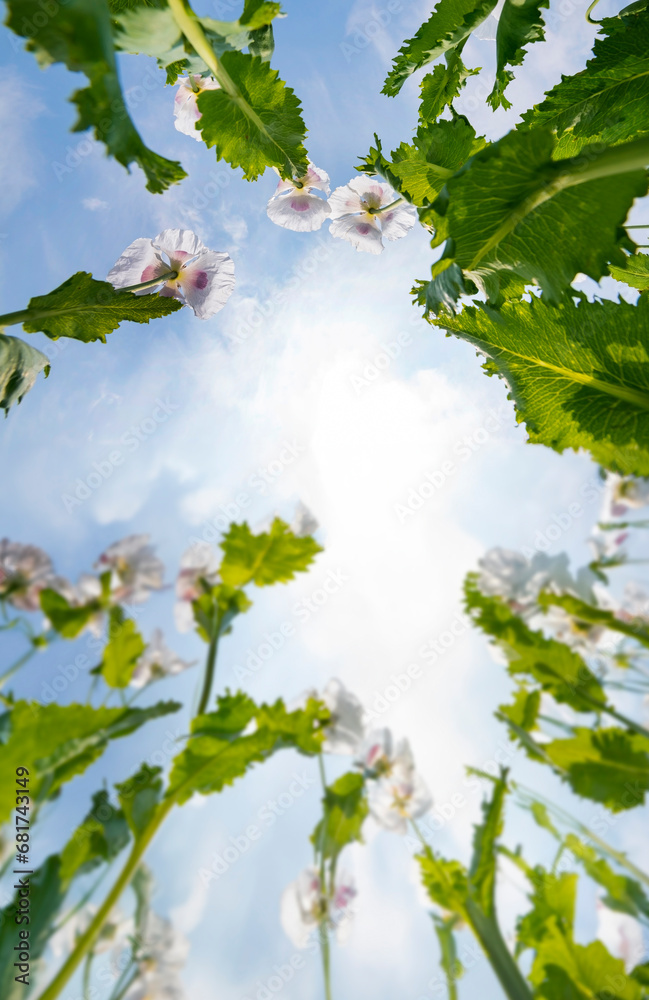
(326, 959)
(398, 201)
(167, 276)
(87, 969)
(17, 665)
(210, 664)
(588, 17)
(491, 940)
(192, 29)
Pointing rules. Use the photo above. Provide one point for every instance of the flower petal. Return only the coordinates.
(186, 111)
(362, 232)
(170, 241)
(397, 222)
(140, 257)
(208, 282)
(345, 200)
(299, 211)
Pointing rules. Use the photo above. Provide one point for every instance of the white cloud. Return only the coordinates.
(94, 204)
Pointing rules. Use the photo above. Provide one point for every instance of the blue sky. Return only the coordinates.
(271, 389)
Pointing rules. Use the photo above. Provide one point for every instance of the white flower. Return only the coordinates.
(519, 580)
(376, 755)
(295, 205)
(622, 935)
(344, 732)
(161, 956)
(25, 570)
(157, 661)
(635, 603)
(134, 568)
(607, 545)
(623, 493)
(186, 110)
(114, 934)
(204, 278)
(199, 562)
(398, 793)
(356, 217)
(305, 905)
(304, 523)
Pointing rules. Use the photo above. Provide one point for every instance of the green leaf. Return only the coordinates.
(635, 271)
(564, 970)
(122, 651)
(345, 809)
(140, 796)
(218, 752)
(608, 102)
(553, 904)
(259, 13)
(500, 208)
(552, 664)
(65, 618)
(444, 289)
(482, 873)
(100, 838)
(422, 169)
(448, 26)
(520, 24)
(578, 374)
(20, 363)
(274, 556)
(524, 709)
(88, 310)
(587, 614)
(80, 36)
(622, 893)
(57, 742)
(259, 125)
(440, 88)
(448, 960)
(606, 765)
(46, 898)
(446, 882)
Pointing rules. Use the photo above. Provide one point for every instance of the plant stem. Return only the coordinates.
(210, 664)
(87, 968)
(167, 276)
(386, 208)
(487, 931)
(326, 958)
(588, 17)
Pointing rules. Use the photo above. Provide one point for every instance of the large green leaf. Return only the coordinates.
(273, 556)
(80, 36)
(578, 374)
(20, 363)
(449, 25)
(553, 903)
(256, 123)
(564, 970)
(440, 88)
(345, 809)
(607, 102)
(520, 23)
(607, 765)
(57, 742)
(100, 837)
(622, 893)
(218, 752)
(46, 896)
(634, 271)
(88, 310)
(556, 667)
(514, 216)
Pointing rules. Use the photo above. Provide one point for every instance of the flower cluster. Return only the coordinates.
(307, 904)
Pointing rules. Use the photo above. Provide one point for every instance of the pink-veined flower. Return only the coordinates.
(357, 216)
(198, 563)
(157, 661)
(344, 732)
(622, 935)
(25, 570)
(397, 792)
(296, 206)
(623, 493)
(204, 278)
(134, 569)
(186, 111)
(306, 904)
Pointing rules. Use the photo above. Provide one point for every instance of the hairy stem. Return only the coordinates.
(210, 665)
(167, 276)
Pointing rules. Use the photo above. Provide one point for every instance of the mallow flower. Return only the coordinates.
(202, 279)
(344, 731)
(197, 564)
(366, 210)
(157, 661)
(397, 793)
(25, 570)
(623, 493)
(306, 904)
(186, 110)
(134, 569)
(161, 955)
(296, 206)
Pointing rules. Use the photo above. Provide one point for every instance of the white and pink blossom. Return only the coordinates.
(199, 565)
(186, 111)
(296, 204)
(361, 214)
(344, 732)
(134, 569)
(622, 935)
(25, 570)
(397, 792)
(202, 279)
(156, 662)
(306, 905)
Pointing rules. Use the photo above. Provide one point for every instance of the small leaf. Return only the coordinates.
(99, 838)
(634, 272)
(440, 88)
(123, 650)
(140, 796)
(88, 310)
(20, 363)
(606, 765)
(271, 557)
(345, 809)
(520, 23)
(482, 873)
(64, 618)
